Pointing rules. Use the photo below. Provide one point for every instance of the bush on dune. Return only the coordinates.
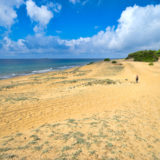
(107, 59)
(151, 64)
(114, 62)
(145, 56)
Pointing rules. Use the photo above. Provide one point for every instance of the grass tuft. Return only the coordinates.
(76, 154)
(151, 64)
(8, 156)
(19, 134)
(5, 149)
(38, 148)
(47, 150)
(71, 120)
(35, 137)
(92, 152)
(66, 148)
(23, 147)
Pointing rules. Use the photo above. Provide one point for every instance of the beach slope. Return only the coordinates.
(96, 111)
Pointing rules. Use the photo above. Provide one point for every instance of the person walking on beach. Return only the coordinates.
(137, 78)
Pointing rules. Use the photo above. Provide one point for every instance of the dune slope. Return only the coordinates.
(92, 112)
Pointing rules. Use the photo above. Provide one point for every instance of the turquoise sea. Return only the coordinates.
(19, 67)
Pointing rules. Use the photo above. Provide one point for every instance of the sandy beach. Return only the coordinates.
(96, 111)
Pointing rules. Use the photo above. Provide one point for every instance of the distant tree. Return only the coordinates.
(144, 56)
(158, 53)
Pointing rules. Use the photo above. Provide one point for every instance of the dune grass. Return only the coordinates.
(88, 137)
(13, 85)
(151, 64)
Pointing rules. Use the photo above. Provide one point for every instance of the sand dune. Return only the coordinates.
(95, 111)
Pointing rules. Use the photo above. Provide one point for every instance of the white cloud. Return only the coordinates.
(42, 15)
(38, 43)
(74, 1)
(56, 7)
(7, 12)
(138, 28)
(83, 2)
(13, 47)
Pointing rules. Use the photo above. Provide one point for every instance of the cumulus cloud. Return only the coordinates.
(42, 15)
(33, 44)
(138, 28)
(10, 47)
(8, 12)
(39, 14)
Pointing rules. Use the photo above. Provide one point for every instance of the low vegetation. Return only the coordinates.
(14, 85)
(151, 64)
(100, 82)
(107, 59)
(91, 137)
(114, 62)
(145, 56)
(158, 53)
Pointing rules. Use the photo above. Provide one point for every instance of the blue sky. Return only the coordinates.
(78, 28)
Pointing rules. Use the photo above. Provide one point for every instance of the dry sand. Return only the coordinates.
(92, 112)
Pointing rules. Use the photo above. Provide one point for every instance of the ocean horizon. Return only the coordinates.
(19, 67)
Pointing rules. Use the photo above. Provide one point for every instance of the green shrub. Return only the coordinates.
(114, 61)
(151, 64)
(144, 56)
(107, 59)
(158, 53)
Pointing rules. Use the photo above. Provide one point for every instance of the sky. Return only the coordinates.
(78, 28)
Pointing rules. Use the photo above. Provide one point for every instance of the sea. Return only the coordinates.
(19, 67)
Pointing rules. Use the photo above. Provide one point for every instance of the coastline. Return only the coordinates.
(32, 71)
(35, 73)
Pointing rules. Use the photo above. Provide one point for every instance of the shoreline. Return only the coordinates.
(38, 72)
(45, 70)
(50, 69)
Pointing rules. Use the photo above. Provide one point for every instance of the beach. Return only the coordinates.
(95, 111)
